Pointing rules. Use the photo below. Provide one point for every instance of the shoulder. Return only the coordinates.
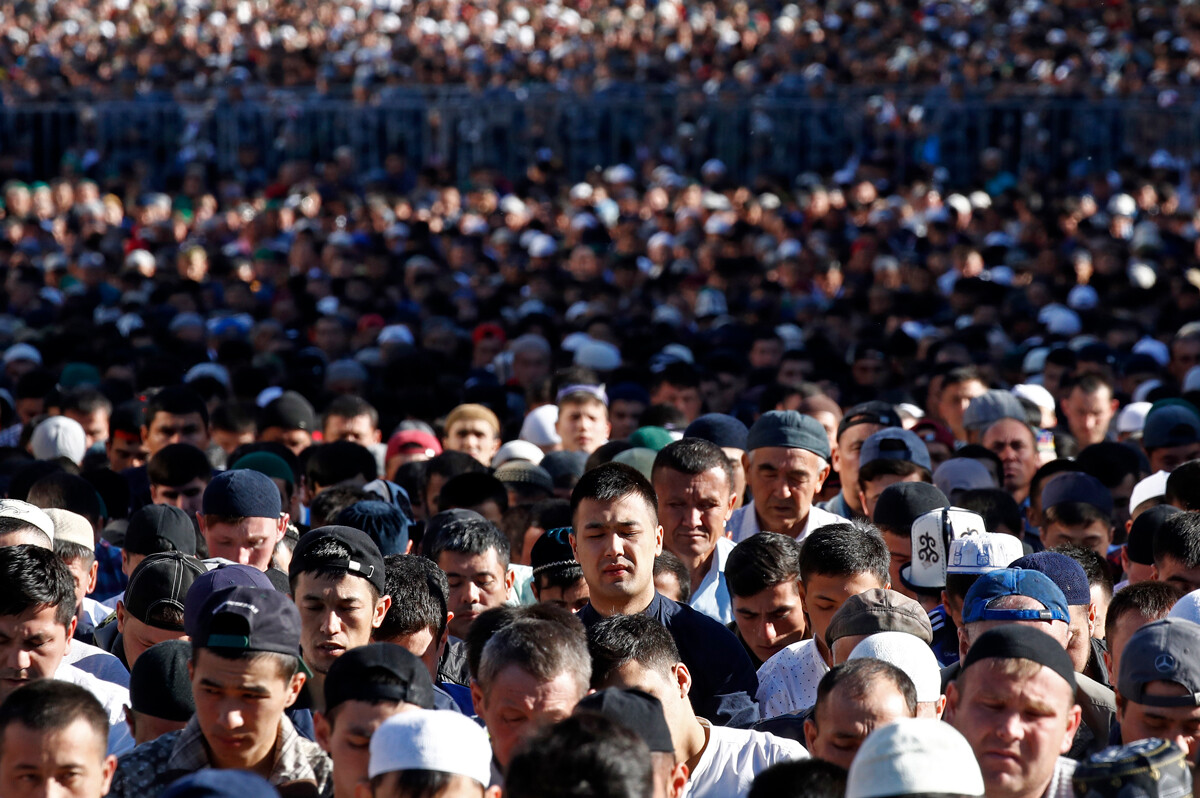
(141, 765)
(784, 659)
(1096, 694)
(822, 518)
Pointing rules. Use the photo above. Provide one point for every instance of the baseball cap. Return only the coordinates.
(242, 494)
(1170, 425)
(71, 528)
(523, 472)
(220, 577)
(895, 443)
(634, 709)
(161, 581)
(1015, 582)
(1065, 572)
(160, 527)
(1077, 487)
(880, 413)
(1149, 768)
(413, 440)
(991, 406)
(158, 682)
(790, 430)
(364, 558)
(1140, 545)
(249, 619)
(1167, 650)
(59, 436)
(214, 783)
(908, 653)
(879, 610)
(1013, 642)
(378, 672)
(1152, 487)
(983, 553)
(30, 514)
(914, 756)
(289, 410)
(518, 451)
(962, 473)
(429, 739)
(904, 502)
(725, 431)
(931, 535)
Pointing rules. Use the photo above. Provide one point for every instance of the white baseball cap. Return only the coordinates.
(914, 755)
(910, 654)
(431, 739)
(1036, 394)
(1151, 487)
(1132, 417)
(24, 511)
(71, 527)
(982, 553)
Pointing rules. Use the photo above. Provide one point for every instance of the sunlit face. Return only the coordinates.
(583, 426)
(1096, 536)
(478, 582)
(1014, 444)
(693, 509)
(845, 458)
(475, 437)
(1170, 569)
(337, 613)
(1180, 725)
(783, 482)
(615, 543)
(685, 399)
(345, 734)
(68, 762)
(516, 705)
(250, 541)
(771, 619)
(168, 428)
(954, 400)
(138, 636)
(1089, 414)
(841, 722)
(824, 595)
(32, 646)
(357, 429)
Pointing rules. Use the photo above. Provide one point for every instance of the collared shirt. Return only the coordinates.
(787, 682)
(945, 636)
(743, 524)
(838, 506)
(113, 697)
(97, 662)
(148, 769)
(711, 596)
(110, 580)
(733, 757)
(1060, 783)
(723, 681)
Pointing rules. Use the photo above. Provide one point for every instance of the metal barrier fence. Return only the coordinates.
(753, 136)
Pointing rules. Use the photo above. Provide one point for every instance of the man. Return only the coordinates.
(837, 562)
(152, 530)
(74, 544)
(151, 609)
(53, 739)
(694, 484)
(337, 578)
(1158, 685)
(160, 695)
(91, 409)
(178, 475)
(626, 403)
(175, 415)
(38, 597)
(853, 699)
(530, 360)
(474, 554)
(364, 688)
(763, 577)
(730, 434)
(1177, 551)
(894, 512)
(351, 418)
(582, 418)
(886, 458)
(242, 518)
(959, 386)
(678, 385)
(859, 423)
(637, 652)
(279, 471)
(871, 613)
(124, 445)
(289, 419)
(472, 429)
(989, 407)
(1015, 703)
(1072, 580)
(970, 557)
(787, 462)
(616, 538)
(532, 673)
(557, 577)
(912, 656)
(642, 714)
(1089, 407)
(1171, 436)
(245, 672)
(588, 756)
(1077, 511)
(1015, 443)
(23, 523)
(411, 749)
(1131, 609)
(914, 756)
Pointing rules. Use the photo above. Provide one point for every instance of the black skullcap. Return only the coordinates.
(637, 711)
(904, 502)
(158, 682)
(378, 672)
(1140, 545)
(160, 527)
(1018, 642)
(289, 411)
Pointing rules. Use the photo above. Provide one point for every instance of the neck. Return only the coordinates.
(261, 763)
(792, 531)
(622, 605)
(316, 690)
(698, 566)
(823, 650)
(694, 743)
(852, 502)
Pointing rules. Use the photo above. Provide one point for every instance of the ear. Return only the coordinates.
(362, 789)
(281, 526)
(941, 705)
(478, 699)
(1154, 573)
(71, 631)
(200, 523)
(321, 729)
(678, 781)
(510, 576)
(862, 498)
(294, 687)
(951, 704)
(810, 734)
(963, 644)
(381, 610)
(1107, 661)
(120, 616)
(93, 575)
(1073, 720)
(658, 540)
(574, 545)
(1092, 619)
(130, 721)
(408, 547)
(821, 477)
(490, 792)
(106, 772)
(836, 460)
(683, 679)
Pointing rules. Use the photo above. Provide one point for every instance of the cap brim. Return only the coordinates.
(904, 580)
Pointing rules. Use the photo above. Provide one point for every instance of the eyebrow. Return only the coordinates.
(602, 524)
(245, 688)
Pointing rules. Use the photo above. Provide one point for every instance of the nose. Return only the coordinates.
(231, 719)
(24, 660)
(474, 594)
(243, 556)
(1009, 729)
(767, 631)
(331, 624)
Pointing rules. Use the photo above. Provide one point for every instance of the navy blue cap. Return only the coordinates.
(1015, 582)
(789, 430)
(214, 783)
(1071, 487)
(383, 521)
(628, 392)
(249, 619)
(895, 443)
(1065, 572)
(1170, 425)
(725, 431)
(242, 494)
(880, 413)
(363, 557)
(1140, 545)
(224, 576)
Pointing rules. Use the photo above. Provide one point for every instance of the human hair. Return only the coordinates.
(668, 563)
(693, 456)
(417, 783)
(663, 415)
(974, 451)
(66, 492)
(860, 678)
(472, 490)
(286, 665)
(995, 506)
(959, 375)
(803, 778)
(165, 616)
(585, 756)
(448, 465)
(330, 502)
(32, 577)
(178, 464)
(846, 549)
(472, 412)
(611, 482)
(760, 562)
(47, 705)
(330, 463)
(1045, 472)
(420, 597)
(235, 417)
(349, 406)
(84, 400)
(683, 375)
(514, 523)
(1094, 566)
(1112, 462)
(177, 400)
(469, 535)
(1075, 514)
(326, 560)
(12, 526)
(1090, 382)
(541, 648)
(619, 640)
(1151, 600)
(69, 551)
(1183, 486)
(885, 466)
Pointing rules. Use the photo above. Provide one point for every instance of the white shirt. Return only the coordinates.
(111, 602)
(733, 757)
(94, 612)
(711, 596)
(97, 662)
(743, 523)
(112, 697)
(787, 682)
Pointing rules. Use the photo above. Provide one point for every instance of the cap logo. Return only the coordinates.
(1164, 663)
(365, 570)
(928, 551)
(231, 604)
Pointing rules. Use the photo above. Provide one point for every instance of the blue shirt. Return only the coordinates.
(945, 636)
(110, 580)
(723, 680)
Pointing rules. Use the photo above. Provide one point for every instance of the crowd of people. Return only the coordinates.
(152, 50)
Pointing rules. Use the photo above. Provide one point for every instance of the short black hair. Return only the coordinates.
(1178, 537)
(331, 501)
(178, 464)
(585, 756)
(888, 467)
(961, 374)
(31, 577)
(1075, 514)
(693, 456)
(471, 535)
(69, 551)
(326, 560)
(351, 407)
(1089, 382)
(448, 465)
(845, 549)
(178, 400)
(804, 778)
(995, 506)
(1183, 486)
(1096, 568)
(472, 490)
(760, 562)
(235, 417)
(66, 492)
(974, 451)
(84, 400)
(1152, 600)
(620, 639)
(420, 597)
(611, 482)
(1112, 462)
(51, 705)
(860, 677)
(330, 463)
(492, 621)
(668, 563)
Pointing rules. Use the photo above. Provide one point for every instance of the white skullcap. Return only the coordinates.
(59, 436)
(431, 739)
(539, 426)
(518, 450)
(1187, 608)
(914, 755)
(24, 511)
(1132, 417)
(71, 527)
(1151, 487)
(910, 654)
(1036, 394)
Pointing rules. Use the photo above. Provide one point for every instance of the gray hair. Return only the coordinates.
(543, 649)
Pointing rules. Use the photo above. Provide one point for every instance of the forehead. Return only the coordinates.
(858, 433)
(628, 508)
(783, 593)
(32, 619)
(992, 678)
(342, 585)
(668, 481)
(1007, 430)
(67, 740)
(471, 425)
(786, 459)
(163, 418)
(464, 562)
(244, 526)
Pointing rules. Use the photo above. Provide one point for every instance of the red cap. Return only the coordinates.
(408, 440)
(488, 330)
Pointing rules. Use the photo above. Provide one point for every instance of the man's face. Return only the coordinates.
(346, 736)
(683, 398)
(1169, 569)
(32, 646)
(239, 704)
(95, 424)
(766, 353)
(1089, 414)
(1017, 723)
(954, 400)
(845, 459)
(842, 722)
(516, 705)
(693, 510)
(124, 452)
(250, 541)
(625, 415)
(229, 440)
(84, 576)
(823, 595)
(530, 367)
(583, 426)
(783, 482)
(1180, 725)
(478, 582)
(1095, 536)
(572, 599)
(1168, 458)
(296, 440)
(1119, 633)
(1013, 443)
(771, 619)
(188, 497)
(337, 613)
(138, 636)
(64, 763)
(871, 490)
(615, 543)
(900, 555)
(168, 428)
(475, 437)
(1079, 635)
(1185, 353)
(357, 429)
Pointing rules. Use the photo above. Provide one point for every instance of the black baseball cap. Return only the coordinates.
(1140, 546)
(899, 505)
(161, 580)
(636, 710)
(364, 558)
(249, 619)
(160, 527)
(378, 672)
(158, 682)
(875, 412)
(289, 411)
(242, 494)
